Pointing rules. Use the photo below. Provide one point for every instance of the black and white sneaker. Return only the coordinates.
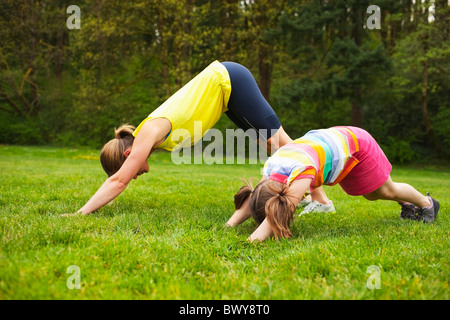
(409, 211)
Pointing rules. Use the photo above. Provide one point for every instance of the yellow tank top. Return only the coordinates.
(204, 99)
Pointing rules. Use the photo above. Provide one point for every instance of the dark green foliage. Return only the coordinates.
(315, 61)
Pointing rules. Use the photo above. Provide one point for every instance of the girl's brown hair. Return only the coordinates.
(112, 155)
(269, 200)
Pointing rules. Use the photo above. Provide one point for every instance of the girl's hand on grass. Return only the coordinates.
(261, 233)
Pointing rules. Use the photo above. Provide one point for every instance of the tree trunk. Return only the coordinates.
(426, 117)
(187, 45)
(164, 54)
(356, 113)
(59, 57)
(265, 66)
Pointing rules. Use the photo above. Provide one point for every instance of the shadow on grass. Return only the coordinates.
(324, 226)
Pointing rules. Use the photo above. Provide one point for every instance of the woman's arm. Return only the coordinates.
(151, 134)
(118, 182)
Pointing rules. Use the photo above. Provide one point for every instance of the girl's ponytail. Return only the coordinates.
(242, 195)
(280, 211)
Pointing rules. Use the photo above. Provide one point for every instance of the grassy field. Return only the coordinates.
(164, 237)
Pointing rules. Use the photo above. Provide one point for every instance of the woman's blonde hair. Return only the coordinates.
(112, 155)
(269, 201)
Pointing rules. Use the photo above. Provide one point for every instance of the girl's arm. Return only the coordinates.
(240, 215)
(151, 134)
(243, 213)
(297, 190)
(261, 233)
(295, 194)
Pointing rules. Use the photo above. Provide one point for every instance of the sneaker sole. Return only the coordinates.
(436, 206)
(302, 213)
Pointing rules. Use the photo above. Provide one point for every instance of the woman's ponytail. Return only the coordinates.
(112, 155)
(280, 211)
(124, 131)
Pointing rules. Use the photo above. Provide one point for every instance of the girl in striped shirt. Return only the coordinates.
(348, 156)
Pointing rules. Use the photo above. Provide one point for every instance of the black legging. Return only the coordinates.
(247, 107)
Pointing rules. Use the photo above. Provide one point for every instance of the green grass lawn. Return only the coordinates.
(164, 237)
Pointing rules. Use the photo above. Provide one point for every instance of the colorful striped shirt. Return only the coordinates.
(324, 155)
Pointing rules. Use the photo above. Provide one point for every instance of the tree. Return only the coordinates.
(422, 62)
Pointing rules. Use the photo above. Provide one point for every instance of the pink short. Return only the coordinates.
(373, 168)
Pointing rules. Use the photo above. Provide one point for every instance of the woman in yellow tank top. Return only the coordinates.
(226, 87)
(203, 99)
